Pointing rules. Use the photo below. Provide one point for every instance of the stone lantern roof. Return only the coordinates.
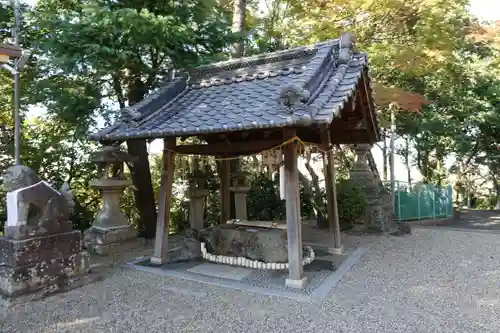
(111, 154)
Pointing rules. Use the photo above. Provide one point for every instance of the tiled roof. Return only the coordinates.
(301, 87)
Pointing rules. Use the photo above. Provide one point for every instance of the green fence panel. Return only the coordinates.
(421, 201)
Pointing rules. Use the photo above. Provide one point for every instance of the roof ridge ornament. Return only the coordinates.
(346, 45)
(293, 95)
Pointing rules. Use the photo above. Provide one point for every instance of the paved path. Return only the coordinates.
(432, 281)
(476, 220)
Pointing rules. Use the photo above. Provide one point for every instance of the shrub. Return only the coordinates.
(352, 202)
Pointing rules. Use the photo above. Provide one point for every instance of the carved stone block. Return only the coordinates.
(45, 263)
(36, 210)
(47, 275)
(30, 251)
(108, 241)
(262, 244)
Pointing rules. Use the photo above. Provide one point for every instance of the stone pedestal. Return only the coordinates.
(197, 194)
(47, 264)
(110, 231)
(240, 190)
(240, 202)
(40, 253)
(105, 241)
(361, 173)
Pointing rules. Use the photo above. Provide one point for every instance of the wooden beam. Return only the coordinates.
(296, 277)
(160, 255)
(228, 148)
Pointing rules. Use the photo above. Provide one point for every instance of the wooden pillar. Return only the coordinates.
(331, 198)
(160, 255)
(225, 191)
(296, 278)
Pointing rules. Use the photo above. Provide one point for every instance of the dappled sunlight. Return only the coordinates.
(77, 323)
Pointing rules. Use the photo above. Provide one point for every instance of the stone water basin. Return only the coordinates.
(268, 245)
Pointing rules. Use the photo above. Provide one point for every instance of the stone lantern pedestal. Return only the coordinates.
(375, 216)
(197, 194)
(240, 189)
(110, 229)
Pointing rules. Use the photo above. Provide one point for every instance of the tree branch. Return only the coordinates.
(118, 90)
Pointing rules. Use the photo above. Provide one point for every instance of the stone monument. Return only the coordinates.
(110, 229)
(40, 252)
(377, 217)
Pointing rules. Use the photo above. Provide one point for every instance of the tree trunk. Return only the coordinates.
(384, 155)
(407, 160)
(317, 197)
(308, 190)
(141, 173)
(143, 192)
(239, 8)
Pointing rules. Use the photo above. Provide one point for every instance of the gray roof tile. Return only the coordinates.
(301, 87)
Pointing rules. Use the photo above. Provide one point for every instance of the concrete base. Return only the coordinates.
(109, 241)
(158, 261)
(44, 264)
(297, 284)
(336, 250)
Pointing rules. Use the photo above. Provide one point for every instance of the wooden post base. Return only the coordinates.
(297, 284)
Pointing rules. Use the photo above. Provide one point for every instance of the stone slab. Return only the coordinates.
(254, 243)
(110, 236)
(114, 248)
(322, 276)
(24, 252)
(110, 241)
(49, 275)
(222, 271)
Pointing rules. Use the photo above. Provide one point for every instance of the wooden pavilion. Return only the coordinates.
(320, 94)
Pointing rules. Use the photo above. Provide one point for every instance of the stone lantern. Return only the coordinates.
(110, 228)
(8, 51)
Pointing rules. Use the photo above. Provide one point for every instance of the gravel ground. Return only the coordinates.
(431, 281)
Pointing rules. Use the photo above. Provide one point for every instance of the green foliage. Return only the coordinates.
(93, 57)
(263, 199)
(352, 202)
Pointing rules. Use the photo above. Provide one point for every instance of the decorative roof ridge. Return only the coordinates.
(262, 58)
(322, 65)
(135, 115)
(248, 77)
(136, 111)
(167, 104)
(333, 83)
